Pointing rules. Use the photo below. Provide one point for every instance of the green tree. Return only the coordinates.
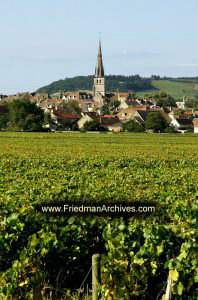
(170, 129)
(73, 105)
(48, 119)
(114, 103)
(132, 126)
(105, 110)
(192, 103)
(25, 116)
(64, 124)
(93, 125)
(31, 123)
(155, 122)
(3, 122)
(155, 77)
(113, 83)
(3, 116)
(190, 128)
(163, 94)
(164, 101)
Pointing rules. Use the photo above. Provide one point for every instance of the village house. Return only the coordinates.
(47, 104)
(181, 104)
(128, 103)
(140, 116)
(90, 103)
(40, 97)
(125, 96)
(126, 114)
(84, 99)
(195, 123)
(195, 113)
(115, 127)
(87, 117)
(112, 122)
(76, 96)
(181, 124)
(109, 119)
(146, 102)
(189, 113)
(135, 102)
(20, 96)
(61, 114)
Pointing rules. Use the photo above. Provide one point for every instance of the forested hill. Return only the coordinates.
(113, 83)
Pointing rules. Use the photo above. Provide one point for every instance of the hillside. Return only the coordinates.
(113, 83)
(175, 88)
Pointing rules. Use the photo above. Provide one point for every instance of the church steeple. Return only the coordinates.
(99, 70)
(99, 79)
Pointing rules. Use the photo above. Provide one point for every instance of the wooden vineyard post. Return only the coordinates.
(169, 289)
(95, 275)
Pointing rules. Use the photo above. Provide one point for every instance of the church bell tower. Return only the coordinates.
(99, 79)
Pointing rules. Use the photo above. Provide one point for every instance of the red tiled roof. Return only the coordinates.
(65, 113)
(110, 116)
(195, 121)
(123, 94)
(188, 113)
(97, 104)
(108, 121)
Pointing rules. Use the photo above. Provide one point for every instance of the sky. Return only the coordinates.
(42, 41)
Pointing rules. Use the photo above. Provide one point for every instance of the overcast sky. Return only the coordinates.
(46, 40)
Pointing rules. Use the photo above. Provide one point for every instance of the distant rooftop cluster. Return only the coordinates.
(111, 109)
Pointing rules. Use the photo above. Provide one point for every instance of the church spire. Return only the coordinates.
(99, 78)
(99, 70)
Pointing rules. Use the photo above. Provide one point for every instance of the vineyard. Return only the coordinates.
(139, 253)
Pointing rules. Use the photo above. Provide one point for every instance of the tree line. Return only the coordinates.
(21, 115)
(113, 83)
